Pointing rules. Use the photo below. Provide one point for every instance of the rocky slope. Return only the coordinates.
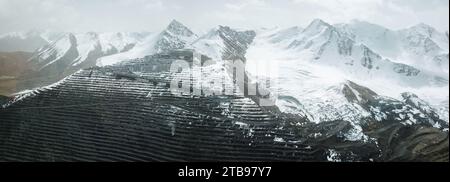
(70, 52)
(224, 43)
(314, 66)
(126, 112)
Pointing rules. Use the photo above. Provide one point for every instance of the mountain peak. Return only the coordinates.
(178, 28)
(424, 29)
(422, 25)
(317, 24)
(224, 28)
(175, 23)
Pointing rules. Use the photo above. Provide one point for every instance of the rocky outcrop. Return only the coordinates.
(175, 36)
(412, 143)
(236, 43)
(225, 43)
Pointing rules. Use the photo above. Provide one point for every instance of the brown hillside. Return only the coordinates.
(12, 65)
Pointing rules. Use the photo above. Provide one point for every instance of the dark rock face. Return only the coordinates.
(179, 29)
(417, 103)
(174, 37)
(411, 110)
(405, 69)
(412, 143)
(368, 59)
(236, 42)
(113, 114)
(406, 130)
(362, 96)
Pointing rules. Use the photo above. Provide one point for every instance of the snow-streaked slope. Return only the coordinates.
(286, 34)
(378, 38)
(54, 51)
(429, 32)
(314, 67)
(175, 36)
(87, 46)
(120, 41)
(303, 88)
(224, 43)
(323, 44)
(421, 45)
(69, 52)
(210, 44)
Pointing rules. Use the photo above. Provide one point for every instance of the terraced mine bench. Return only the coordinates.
(94, 115)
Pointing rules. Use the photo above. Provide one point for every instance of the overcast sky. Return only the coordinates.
(200, 15)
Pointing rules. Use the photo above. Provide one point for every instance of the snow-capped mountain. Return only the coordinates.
(84, 47)
(221, 43)
(358, 78)
(175, 36)
(420, 45)
(69, 52)
(321, 69)
(326, 45)
(428, 38)
(224, 43)
(318, 61)
(109, 107)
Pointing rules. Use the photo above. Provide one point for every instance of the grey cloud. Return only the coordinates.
(153, 15)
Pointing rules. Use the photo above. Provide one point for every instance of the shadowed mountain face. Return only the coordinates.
(127, 113)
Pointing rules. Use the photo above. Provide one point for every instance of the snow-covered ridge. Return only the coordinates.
(330, 46)
(85, 46)
(316, 63)
(420, 45)
(224, 43)
(33, 92)
(174, 36)
(219, 43)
